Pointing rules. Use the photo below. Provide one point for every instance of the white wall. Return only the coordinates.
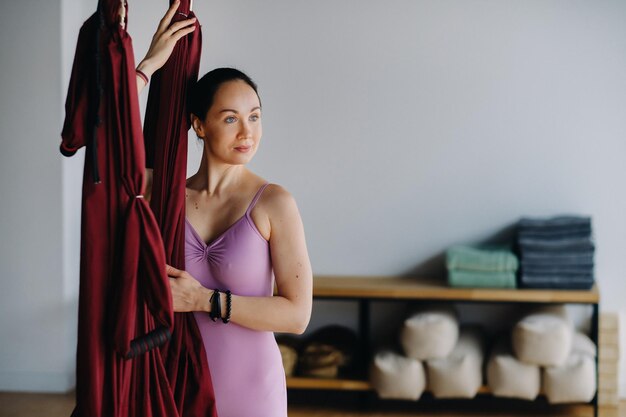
(404, 128)
(400, 129)
(36, 345)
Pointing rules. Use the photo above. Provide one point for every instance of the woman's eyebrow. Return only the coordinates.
(236, 112)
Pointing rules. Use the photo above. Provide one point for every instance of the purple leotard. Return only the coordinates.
(246, 366)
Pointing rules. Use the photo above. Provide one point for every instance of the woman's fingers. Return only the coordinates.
(165, 39)
(165, 22)
(172, 272)
(184, 292)
(179, 25)
(176, 36)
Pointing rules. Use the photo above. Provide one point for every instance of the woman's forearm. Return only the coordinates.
(147, 69)
(275, 314)
(140, 84)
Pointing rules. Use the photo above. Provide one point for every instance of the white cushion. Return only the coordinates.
(458, 375)
(397, 377)
(575, 380)
(509, 377)
(583, 344)
(543, 337)
(430, 333)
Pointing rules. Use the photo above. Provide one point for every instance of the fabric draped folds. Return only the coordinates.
(166, 127)
(124, 292)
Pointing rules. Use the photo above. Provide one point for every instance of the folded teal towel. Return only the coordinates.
(469, 258)
(474, 279)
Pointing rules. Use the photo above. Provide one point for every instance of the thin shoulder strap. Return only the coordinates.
(256, 198)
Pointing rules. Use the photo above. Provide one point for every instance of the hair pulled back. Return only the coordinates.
(202, 94)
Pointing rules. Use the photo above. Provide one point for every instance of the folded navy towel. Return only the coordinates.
(554, 235)
(574, 244)
(561, 227)
(556, 282)
(552, 269)
(567, 258)
(555, 223)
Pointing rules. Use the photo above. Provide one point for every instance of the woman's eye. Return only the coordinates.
(254, 117)
(230, 119)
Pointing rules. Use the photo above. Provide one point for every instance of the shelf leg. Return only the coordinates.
(364, 332)
(595, 325)
(365, 398)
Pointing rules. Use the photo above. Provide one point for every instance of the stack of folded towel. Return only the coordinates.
(556, 252)
(481, 267)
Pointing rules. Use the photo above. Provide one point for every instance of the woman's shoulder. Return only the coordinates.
(276, 195)
(276, 201)
(275, 209)
(273, 194)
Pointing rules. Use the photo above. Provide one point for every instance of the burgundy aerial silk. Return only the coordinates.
(166, 127)
(124, 291)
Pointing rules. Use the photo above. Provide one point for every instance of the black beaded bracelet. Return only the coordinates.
(216, 305)
(228, 299)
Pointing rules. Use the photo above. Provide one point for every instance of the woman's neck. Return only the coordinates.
(215, 177)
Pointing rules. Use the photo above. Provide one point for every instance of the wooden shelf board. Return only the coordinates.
(334, 384)
(342, 384)
(411, 288)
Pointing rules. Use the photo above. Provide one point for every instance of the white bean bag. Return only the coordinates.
(575, 380)
(508, 377)
(582, 343)
(430, 333)
(460, 374)
(543, 337)
(397, 377)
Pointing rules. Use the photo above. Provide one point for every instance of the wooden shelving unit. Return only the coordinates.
(341, 384)
(376, 288)
(429, 289)
(333, 384)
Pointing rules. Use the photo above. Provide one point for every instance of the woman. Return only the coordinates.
(240, 232)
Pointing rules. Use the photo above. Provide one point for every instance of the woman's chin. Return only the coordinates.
(242, 159)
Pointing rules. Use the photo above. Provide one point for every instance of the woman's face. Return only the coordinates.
(232, 127)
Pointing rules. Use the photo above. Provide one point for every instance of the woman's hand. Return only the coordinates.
(164, 40)
(187, 293)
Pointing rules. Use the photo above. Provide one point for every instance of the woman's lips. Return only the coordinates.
(243, 148)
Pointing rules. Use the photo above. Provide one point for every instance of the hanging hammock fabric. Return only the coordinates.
(124, 291)
(166, 127)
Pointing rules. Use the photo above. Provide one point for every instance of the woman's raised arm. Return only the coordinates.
(163, 43)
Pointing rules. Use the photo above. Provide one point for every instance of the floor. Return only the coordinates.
(61, 405)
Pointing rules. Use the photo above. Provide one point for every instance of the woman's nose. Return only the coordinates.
(246, 130)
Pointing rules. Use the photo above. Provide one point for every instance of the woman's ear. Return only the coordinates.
(196, 123)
